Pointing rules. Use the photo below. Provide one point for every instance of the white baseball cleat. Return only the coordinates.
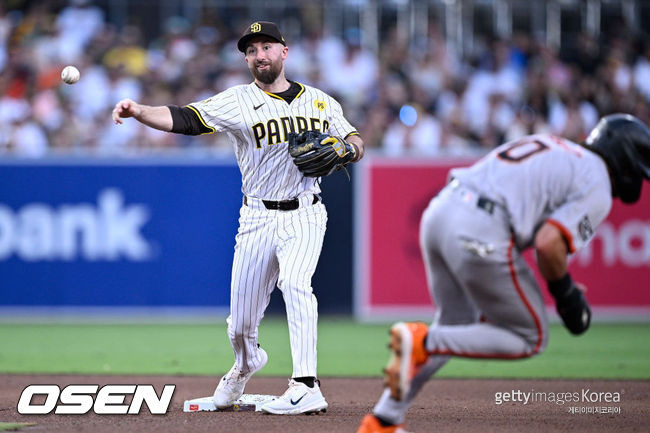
(232, 384)
(299, 398)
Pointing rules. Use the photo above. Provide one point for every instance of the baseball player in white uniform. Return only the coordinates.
(540, 191)
(282, 219)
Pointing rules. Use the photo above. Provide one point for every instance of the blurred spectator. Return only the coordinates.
(91, 96)
(571, 118)
(5, 30)
(642, 73)
(526, 122)
(355, 73)
(28, 138)
(128, 54)
(415, 132)
(500, 90)
(78, 24)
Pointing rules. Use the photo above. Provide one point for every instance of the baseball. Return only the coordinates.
(70, 75)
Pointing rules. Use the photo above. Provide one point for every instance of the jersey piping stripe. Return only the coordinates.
(201, 119)
(530, 309)
(520, 291)
(273, 95)
(481, 355)
(566, 234)
(302, 90)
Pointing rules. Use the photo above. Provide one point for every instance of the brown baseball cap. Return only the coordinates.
(260, 28)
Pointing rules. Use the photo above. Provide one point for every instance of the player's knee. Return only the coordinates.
(543, 340)
(536, 339)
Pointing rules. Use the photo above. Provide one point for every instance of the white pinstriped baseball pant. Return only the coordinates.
(282, 247)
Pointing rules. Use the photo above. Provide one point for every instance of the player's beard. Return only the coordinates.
(268, 76)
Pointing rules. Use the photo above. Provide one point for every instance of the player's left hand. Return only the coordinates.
(317, 154)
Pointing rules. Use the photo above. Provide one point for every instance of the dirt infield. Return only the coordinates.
(445, 405)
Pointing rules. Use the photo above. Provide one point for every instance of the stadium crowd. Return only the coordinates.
(421, 99)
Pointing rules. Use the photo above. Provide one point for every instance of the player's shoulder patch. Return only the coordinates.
(321, 105)
(585, 229)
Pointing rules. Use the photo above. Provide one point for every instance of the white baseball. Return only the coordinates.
(70, 75)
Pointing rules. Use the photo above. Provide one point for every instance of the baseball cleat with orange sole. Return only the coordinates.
(370, 424)
(408, 354)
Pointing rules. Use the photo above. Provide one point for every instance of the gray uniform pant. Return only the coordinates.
(488, 302)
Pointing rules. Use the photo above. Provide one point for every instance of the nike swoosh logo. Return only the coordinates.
(255, 108)
(298, 401)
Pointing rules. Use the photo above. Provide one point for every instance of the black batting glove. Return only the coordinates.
(571, 304)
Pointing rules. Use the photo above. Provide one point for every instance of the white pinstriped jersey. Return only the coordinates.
(544, 177)
(258, 124)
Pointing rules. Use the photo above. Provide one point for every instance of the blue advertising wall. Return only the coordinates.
(138, 234)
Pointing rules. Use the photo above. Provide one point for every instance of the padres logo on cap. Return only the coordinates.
(256, 27)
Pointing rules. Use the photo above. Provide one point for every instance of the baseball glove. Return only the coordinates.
(317, 154)
(572, 306)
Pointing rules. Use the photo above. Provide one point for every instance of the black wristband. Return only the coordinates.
(560, 288)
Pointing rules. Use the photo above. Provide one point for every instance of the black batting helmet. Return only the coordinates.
(623, 141)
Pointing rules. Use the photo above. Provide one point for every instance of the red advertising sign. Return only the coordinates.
(615, 266)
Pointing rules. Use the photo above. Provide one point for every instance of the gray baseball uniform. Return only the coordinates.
(274, 246)
(489, 304)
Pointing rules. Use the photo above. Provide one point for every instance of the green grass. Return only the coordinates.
(346, 348)
(14, 426)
